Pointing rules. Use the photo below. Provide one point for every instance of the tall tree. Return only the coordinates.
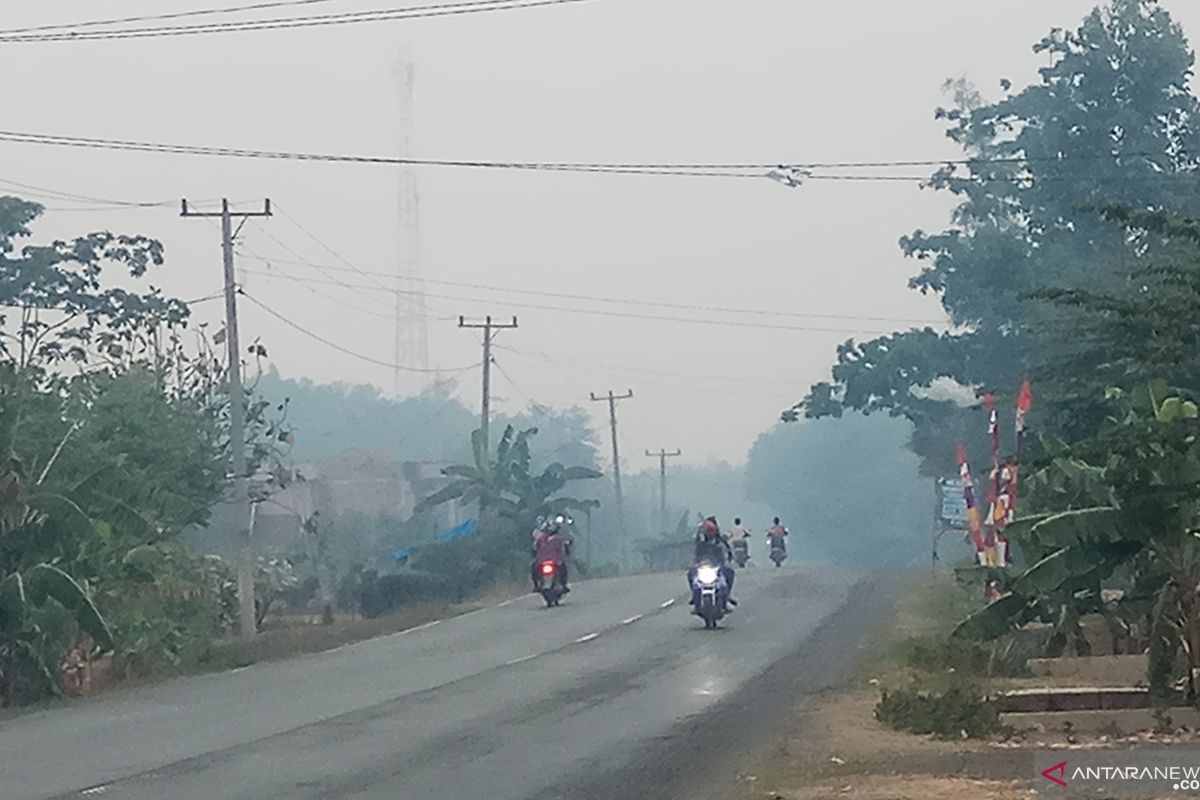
(1112, 122)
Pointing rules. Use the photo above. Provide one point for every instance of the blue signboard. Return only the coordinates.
(952, 505)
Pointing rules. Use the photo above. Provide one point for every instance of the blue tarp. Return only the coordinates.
(465, 529)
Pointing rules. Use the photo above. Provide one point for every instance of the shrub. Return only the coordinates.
(953, 713)
(382, 594)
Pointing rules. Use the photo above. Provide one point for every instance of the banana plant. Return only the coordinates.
(43, 610)
(1141, 474)
(42, 613)
(505, 486)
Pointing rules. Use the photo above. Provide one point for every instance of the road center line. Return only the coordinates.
(668, 604)
(631, 620)
(587, 638)
(521, 660)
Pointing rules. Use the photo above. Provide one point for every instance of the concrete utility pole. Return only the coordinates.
(612, 421)
(247, 564)
(662, 456)
(488, 327)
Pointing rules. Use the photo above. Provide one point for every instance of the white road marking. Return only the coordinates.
(521, 660)
(94, 790)
(231, 672)
(631, 620)
(587, 638)
(506, 603)
(422, 627)
(668, 604)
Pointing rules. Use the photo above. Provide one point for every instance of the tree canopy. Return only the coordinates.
(1111, 122)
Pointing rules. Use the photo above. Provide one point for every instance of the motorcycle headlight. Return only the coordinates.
(707, 574)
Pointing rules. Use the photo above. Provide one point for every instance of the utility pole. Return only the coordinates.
(247, 618)
(488, 327)
(662, 456)
(612, 421)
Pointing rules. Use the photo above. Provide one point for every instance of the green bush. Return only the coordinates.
(381, 594)
(1005, 657)
(956, 712)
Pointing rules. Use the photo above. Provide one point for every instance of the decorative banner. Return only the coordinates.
(964, 474)
(1024, 403)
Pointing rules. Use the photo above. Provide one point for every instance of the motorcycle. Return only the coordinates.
(741, 552)
(550, 583)
(778, 553)
(714, 593)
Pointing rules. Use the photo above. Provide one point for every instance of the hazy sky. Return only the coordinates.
(609, 80)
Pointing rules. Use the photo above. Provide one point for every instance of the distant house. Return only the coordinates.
(358, 481)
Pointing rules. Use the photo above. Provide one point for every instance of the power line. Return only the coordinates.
(648, 303)
(354, 288)
(706, 168)
(282, 23)
(327, 270)
(616, 372)
(346, 350)
(331, 251)
(631, 315)
(56, 194)
(659, 372)
(802, 170)
(204, 12)
(53, 140)
(339, 301)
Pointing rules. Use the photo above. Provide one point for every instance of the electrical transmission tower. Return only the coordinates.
(412, 332)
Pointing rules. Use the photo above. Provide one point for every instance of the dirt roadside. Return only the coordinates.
(831, 747)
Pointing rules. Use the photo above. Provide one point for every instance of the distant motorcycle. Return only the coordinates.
(778, 553)
(741, 552)
(714, 593)
(550, 583)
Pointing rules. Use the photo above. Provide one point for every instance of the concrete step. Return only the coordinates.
(1083, 698)
(1103, 670)
(1112, 722)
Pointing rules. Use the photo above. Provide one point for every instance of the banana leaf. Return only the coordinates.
(996, 619)
(46, 581)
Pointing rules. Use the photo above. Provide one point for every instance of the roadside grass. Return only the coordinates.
(913, 643)
(283, 638)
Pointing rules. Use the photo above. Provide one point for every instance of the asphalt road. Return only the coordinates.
(607, 696)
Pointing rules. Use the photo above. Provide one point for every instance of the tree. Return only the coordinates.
(1112, 122)
(113, 436)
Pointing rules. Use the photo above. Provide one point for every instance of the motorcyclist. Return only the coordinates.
(777, 535)
(739, 537)
(552, 546)
(714, 548)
